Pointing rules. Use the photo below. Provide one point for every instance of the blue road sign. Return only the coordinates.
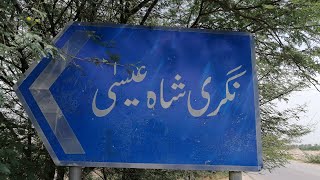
(147, 97)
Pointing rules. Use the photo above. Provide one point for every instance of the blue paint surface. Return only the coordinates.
(138, 134)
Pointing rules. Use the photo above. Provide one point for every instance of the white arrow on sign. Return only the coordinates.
(40, 90)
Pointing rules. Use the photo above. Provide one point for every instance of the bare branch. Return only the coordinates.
(138, 7)
(125, 13)
(63, 11)
(148, 12)
(195, 23)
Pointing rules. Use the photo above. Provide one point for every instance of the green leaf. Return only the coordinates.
(4, 169)
(268, 6)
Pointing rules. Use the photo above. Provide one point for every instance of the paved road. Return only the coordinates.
(293, 171)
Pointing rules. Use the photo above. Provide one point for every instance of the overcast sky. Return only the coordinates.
(310, 97)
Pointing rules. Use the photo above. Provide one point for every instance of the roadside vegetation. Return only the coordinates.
(309, 153)
(307, 147)
(313, 159)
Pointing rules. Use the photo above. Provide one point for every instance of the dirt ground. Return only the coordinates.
(301, 155)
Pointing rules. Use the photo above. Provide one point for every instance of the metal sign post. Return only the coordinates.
(75, 173)
(235, 175)
(147, 97)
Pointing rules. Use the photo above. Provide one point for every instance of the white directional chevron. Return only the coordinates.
(40, 90)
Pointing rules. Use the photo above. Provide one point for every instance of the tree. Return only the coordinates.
(287, 35)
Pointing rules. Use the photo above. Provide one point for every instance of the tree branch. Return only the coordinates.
(5, 80)
(63, 11)
(23, 61)
(138, 7)
(79, 9)
(125, 13)
(148, 12)
(194, 24)
(17, 6)
(288, 91)
(50, 19)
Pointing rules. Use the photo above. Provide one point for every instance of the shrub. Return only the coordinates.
(313, 159)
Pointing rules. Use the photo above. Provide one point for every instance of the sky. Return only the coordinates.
(310, 97)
